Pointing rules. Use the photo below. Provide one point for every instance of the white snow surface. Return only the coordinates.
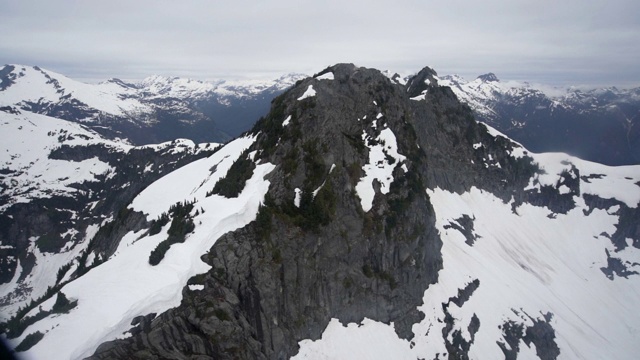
(42, 275)
(378, 168)
(310, 92)
(297, 197)
(422, 96)
(327, 76)
(125, 286)
(193, 180)
(369, 340)
(28, 139)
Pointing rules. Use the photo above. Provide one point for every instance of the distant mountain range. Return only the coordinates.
(601, 125)
(157, 109)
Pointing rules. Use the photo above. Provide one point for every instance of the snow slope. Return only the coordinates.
(126, 286)
(28, 140)
(530, 267)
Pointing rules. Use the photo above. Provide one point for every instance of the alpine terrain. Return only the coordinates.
(601, 125)
(361, 217)
(157, 109)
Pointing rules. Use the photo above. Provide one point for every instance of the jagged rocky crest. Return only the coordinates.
(315, 252)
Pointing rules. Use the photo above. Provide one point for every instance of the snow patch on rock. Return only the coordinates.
(310, 92)
(379, 167)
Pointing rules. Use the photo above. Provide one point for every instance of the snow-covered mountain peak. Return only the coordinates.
(288, 80)
(34, 87)
(484, 91)
(157, 108)
(451, 80)
(176, 87)
(246, 87)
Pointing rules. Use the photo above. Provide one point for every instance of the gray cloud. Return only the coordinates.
(568, 42)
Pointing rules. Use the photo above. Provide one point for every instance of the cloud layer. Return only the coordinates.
(559, 43)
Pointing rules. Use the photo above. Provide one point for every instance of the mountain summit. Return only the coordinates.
(361, 218)
(489, 77)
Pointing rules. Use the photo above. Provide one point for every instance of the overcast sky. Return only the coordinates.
(566, 42)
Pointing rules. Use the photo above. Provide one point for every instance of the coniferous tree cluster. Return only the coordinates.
(181, 225)
(233, 183)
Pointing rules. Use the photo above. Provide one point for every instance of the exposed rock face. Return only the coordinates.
(321, 256)
(489, 77)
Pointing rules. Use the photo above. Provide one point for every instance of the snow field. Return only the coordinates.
(533, 264)
(191, 181)
(369, 340)
(35, 175)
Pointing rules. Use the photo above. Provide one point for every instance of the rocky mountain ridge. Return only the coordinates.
(361, 217)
